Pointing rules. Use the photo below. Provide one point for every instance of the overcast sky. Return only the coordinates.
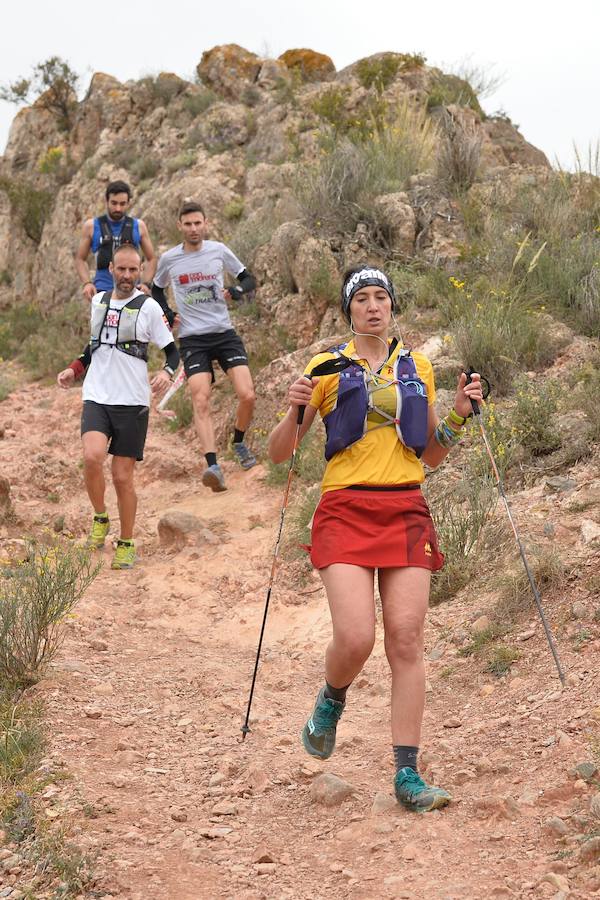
(548, 51)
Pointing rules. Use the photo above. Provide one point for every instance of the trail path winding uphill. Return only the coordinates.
(146, 699)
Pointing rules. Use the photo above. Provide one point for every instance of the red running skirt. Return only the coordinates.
(375, 529)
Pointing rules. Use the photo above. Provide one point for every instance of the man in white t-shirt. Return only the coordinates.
(195, 270)
(116, 394)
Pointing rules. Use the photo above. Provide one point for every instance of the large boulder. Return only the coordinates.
(224, 126)
(310, 65)
(503, 134)
(5, 504)
(228, 68)
(315, 272)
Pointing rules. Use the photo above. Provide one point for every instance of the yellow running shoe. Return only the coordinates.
(124, 557)
(97, 535)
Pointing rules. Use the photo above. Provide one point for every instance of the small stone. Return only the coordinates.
(219, 831)
(104, 689)
(595, 806)
(98, 644)
(481, 624)
(92, 712)
(178, 815)
(556, 880)
(225, 808)
(452, 722)
(590, 850)
(262, 855)
(383, 803)
(556, 825)
(216, 779)
(590, 531)
(579, 610)
(410, 851)
(265, 868)
(557, 484)
(463, 776)
(526, 635)
(564, 740)
(118, 781)
(437, 653)
(487, 690)
(586, 770)
(330, 790)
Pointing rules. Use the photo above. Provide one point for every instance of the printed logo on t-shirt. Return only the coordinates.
(112, 318)
(184, 279)
(198, 295)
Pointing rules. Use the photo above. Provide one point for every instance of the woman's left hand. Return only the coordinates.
(467, 392)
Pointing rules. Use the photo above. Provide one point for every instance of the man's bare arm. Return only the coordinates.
(81, 259)
(150, 261)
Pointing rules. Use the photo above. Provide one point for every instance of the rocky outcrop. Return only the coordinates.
(309, 65)
(227, 68)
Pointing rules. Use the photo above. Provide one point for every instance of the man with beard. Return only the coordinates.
(102, 235)
(116, 393)
(195, 270)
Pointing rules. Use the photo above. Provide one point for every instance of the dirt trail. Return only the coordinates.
(146, 700)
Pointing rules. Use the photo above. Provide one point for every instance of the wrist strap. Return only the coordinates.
(456, 419)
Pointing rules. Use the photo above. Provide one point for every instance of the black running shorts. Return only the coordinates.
(125, 426)
(198, 352)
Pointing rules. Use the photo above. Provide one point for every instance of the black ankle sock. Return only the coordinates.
(238, 436)
(211, 459)
(333, 693)
(101, 517)
(405, 756)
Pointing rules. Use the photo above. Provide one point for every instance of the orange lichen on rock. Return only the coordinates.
(311, 65)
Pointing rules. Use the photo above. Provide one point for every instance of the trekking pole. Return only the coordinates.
(328, 367)
(300, 419)
(532, 584)
(177, 382)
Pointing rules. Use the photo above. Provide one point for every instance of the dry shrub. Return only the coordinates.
(516, 600)
(36, 595)
(460, 511)
(459, 154)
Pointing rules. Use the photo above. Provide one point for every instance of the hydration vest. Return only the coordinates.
(109, 241)
(126, 326)
(347, 422)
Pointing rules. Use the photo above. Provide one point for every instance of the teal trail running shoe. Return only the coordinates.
(415, 794)
(214, 479)
(318, 735)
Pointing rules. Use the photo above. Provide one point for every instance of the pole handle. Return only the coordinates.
(300, 419)
(474, 403)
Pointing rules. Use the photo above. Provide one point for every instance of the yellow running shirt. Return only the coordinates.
(379, 457)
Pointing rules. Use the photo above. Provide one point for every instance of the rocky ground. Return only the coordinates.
(145, 702)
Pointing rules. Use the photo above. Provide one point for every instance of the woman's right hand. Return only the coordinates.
(300, 392)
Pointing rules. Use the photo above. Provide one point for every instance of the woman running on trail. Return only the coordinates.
(381, 426)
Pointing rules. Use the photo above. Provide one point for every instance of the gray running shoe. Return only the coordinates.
(213, 478)
(244, 455)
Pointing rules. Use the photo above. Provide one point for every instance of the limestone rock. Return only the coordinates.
(383, 803)
(480, 625)
(595, 806)
(315, 271)
(590, 850)
(590, 531)
(515, 148)
(176, 528)
(396, 219)
(329, 790)
(310, 65)
(227, 68)
(224, 126)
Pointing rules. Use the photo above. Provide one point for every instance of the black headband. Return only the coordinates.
(366, 277)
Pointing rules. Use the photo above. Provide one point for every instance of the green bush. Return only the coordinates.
(322, 285)
(30, 206)
(252, 233)
(460, 511)
(58, 338)
(516, 601)
(534, 416)
(339, 190)
(234, 209)
(445, 90)
(18, 322)
(182, 161)
(198, 102)
(380, 73)
(501, 659)
(499, 337)
(36, 595)
(52, 84)
(301, 511)
(586, 395)
(21, 739)
(330, 105)
(309, 465)
(181, 405)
